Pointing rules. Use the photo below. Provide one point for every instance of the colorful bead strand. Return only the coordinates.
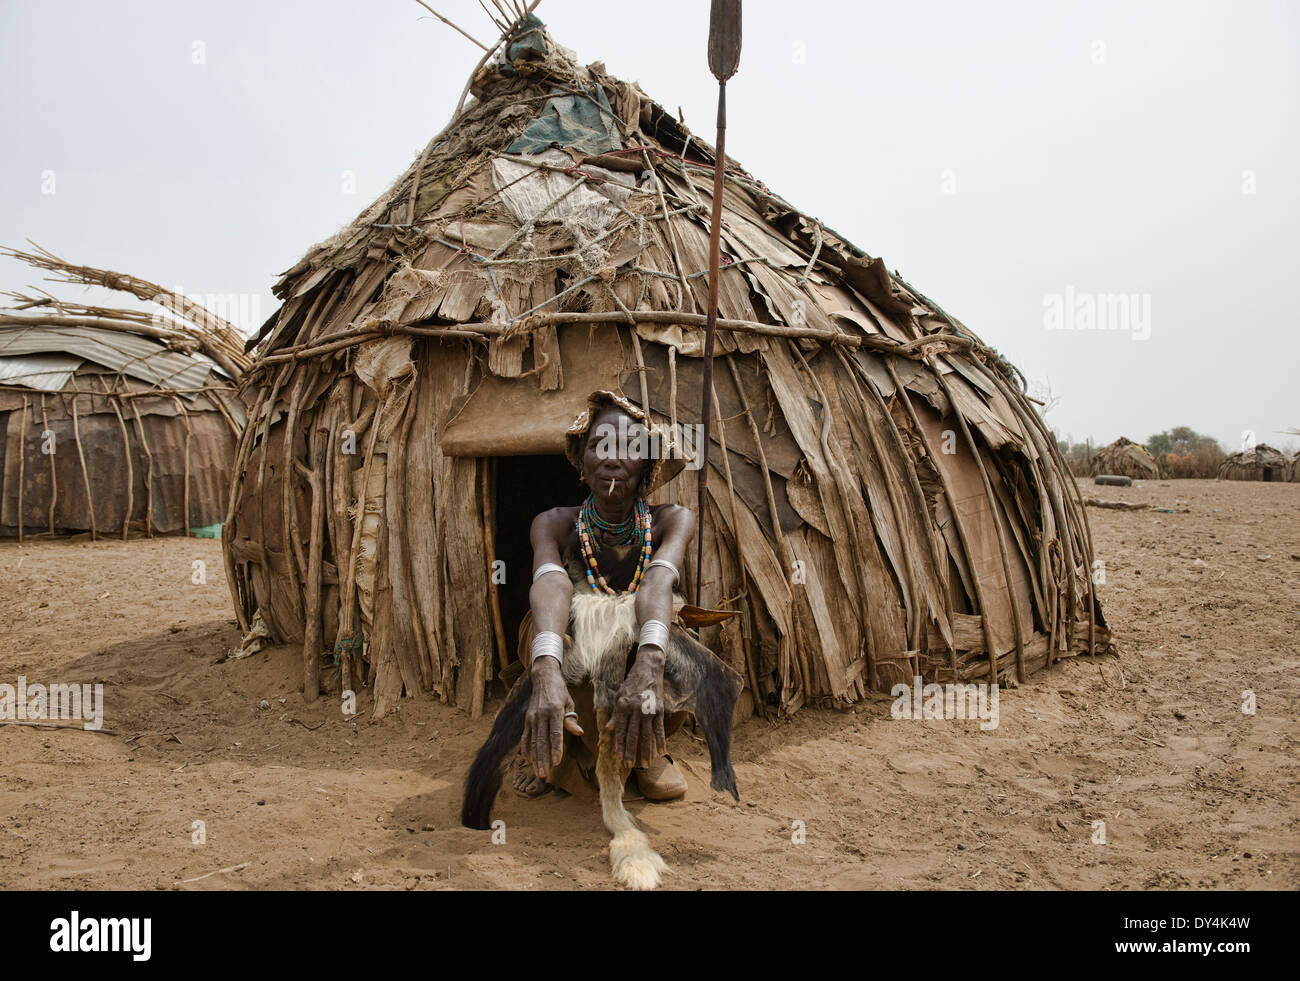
(641, 526)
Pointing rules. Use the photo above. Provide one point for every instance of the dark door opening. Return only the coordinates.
(525, 487)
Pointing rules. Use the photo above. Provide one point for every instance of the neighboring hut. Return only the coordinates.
(884, 500)
(1261, 463)
(1294, 462)
(1124, 458)
(114, 421)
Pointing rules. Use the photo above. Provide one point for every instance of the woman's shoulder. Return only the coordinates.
(658, 509)
(558, 514)
(670, 514)
(556, 521)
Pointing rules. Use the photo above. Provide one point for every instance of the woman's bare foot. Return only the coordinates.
(526, 782)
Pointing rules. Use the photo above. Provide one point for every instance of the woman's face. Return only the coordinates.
(614, 459)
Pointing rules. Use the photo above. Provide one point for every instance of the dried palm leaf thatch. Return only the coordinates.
(1124, 458)
(884, 500)
(1261, 463)
(214, 336)
(114, 420)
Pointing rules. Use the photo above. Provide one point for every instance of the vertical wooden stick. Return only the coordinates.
(288, 499)
(54, 473)
(489, 536)
(268, 412)
(148, 479)
(85, 474)
(312, 629)
(126, 452)
(236, 575)
(347, 623)
(22, 456)
(188, 432)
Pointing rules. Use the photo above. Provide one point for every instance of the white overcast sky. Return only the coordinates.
(997, 154)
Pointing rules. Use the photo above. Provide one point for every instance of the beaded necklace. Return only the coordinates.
(616, 532)
(635, 529)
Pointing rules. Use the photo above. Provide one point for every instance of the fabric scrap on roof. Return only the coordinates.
(575, 121)
(529, 42)
(528, 191)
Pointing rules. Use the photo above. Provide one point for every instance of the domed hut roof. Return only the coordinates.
(1261, 463)
(1124, 458)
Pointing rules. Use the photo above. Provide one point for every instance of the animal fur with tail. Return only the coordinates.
(604, 634)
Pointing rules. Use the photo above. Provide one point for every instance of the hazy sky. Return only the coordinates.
(1013, 160)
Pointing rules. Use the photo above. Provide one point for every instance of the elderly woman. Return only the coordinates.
(612, 543)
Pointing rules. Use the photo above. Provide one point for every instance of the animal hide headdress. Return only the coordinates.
(666, 457)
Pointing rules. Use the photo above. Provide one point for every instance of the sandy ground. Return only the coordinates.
(1193, 792)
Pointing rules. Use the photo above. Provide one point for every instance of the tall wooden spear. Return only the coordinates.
(724, 59)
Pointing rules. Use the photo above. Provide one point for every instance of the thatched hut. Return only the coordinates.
(884, 500)
(1124, 458)
(1294, 461)
(1261, 463)
(115, 421)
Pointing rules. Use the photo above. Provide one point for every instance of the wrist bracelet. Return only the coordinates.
(654, 633)
(548, 644)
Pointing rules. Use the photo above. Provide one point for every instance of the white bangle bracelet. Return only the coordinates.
(664, 563)
(548, 567)
(654, 633)
(548, 644)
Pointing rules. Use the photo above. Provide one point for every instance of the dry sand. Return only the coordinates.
(1193, 793)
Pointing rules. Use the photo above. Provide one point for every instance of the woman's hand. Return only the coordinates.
(638, 719)
(543, 741)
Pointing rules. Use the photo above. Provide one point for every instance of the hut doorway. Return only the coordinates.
(524, 487)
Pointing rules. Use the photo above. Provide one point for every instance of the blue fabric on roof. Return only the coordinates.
(578, 122)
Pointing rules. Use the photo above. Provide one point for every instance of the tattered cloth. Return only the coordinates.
(574, 121)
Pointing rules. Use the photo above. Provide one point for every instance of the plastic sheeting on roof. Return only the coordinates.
(130, 354)
(42, 372)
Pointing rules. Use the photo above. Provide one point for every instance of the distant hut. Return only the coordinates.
(1294, 473)
(1124, 458)
(1261, 463)
(114, 421)
(884, 499)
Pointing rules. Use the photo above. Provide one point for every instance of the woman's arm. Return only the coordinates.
(638, 720)
(549, 598)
